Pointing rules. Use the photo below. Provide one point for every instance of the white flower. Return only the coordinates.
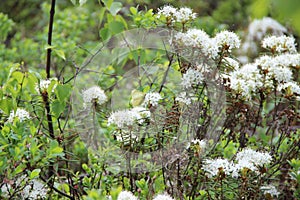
(198, 39)
(199, 145)
(246, 80)
(213, 167)
(270, 189)
(191, 77)
(280, 44)
(183, 98)
(122, 118)
(167, 11)
(44, 84)
(282, 74)
(228, 40)
(125, 118)
(141, 114)
(163, 197)
(277, 67)
(94, 94)
(233, 64)
(20, 113)
(260, 27)
(181, 15)
(126, 195)
(184, 15)
(292, 88)
(288, 60)
(152, 98)
(252, 159)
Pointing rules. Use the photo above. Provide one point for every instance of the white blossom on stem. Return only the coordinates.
(20, 113)
(280, 44)
(126, 195)
(270, 189)
(227, 40)
(191, 77)
(94, 94)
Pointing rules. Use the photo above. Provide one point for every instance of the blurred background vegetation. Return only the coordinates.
(29, 14)
(78, 29)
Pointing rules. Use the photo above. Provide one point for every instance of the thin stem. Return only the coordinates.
(166, 74)
(45, 95)
(50, 30)
(259, 111)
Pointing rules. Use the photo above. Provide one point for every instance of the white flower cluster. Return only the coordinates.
(34, 189)
(191, 77)
(44, 84)
(279, 67)
(213, 167)
(280, 44)
(247, 158)
(258, 29)
(94, 94)
(198, 145)
(152, 98)
(201, 143)
(209, 46)
(163, 197)
(263, 72)
(290, 87)
(251, 159)
(197, 39)
(181, 15)
(245, 80)
(126, 195)
(183, 98)
(20, 113)
(125, 118)
(227, 40)
(270, 189)
(184, 15)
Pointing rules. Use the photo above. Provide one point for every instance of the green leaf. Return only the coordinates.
(105, 34)
(108, 3)
(6, 105)
(35, 173)
(60, 53)
(19, 76)
(133, 10)
(47, 46)
(101, 14)
(116, 27)
(55, 149)
(57, 107)
(19, 169)
(115, 8)
(63, 92)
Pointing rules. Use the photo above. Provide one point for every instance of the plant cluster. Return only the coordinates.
(164, 111)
